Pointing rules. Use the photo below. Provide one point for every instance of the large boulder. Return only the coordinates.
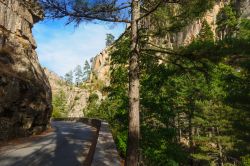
(25, 93)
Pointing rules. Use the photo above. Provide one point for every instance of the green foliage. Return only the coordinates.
(226, 22)
(109, 39)
(112, 111)
(96, 84)
(121, 142)
(122, 51)
(59, 105)
(86, 71)
(78, 75)
(93, 98)
(195, 102)
(69, 77)
(191, 98)
(205, 33)
(79, 11)
(174, 17)
(244, 32)
(245, 160)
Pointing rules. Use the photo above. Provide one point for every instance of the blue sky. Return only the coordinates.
(61, 48)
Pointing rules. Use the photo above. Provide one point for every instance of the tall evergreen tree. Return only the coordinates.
(109, 39)
(206, 34)
(226, 22)
(78, 74)
(86, 70)
(69, 77)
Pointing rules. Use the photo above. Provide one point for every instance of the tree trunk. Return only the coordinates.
(132, 158)
(220, 161)
(220, 148)
(179, 128)
(190, 135)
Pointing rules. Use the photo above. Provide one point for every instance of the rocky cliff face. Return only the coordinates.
(76, 98)
(101, 63)
(100, 69)
(191, 31)
(243, 7)
(25, 95)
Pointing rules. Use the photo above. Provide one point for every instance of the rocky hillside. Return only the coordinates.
(25, 95)
(191, 31)
(101, 62)
(74, 98)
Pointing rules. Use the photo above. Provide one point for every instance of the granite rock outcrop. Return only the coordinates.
(25, 93)
(100, 68)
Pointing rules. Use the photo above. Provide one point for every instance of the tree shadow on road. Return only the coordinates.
(67, 146)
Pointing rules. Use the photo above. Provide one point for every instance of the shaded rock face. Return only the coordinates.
(244, 7)
(25, 95)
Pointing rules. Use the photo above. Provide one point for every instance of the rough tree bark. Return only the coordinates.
(190, 135)
(220, 161)
(134, 120)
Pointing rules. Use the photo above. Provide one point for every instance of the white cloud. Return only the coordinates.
(62, 48)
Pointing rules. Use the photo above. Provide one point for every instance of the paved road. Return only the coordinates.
(66, 146)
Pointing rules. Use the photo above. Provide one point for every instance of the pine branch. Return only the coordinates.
(78, 13)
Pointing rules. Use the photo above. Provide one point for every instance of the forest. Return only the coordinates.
(193, 99)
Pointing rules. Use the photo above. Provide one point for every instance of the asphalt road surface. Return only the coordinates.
(67, 145)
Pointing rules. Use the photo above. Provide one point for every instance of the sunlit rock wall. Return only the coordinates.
(101, 66)
(191, 31)
(25, 95)
(76, 98)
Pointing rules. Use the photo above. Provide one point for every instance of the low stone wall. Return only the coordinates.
(103, 150)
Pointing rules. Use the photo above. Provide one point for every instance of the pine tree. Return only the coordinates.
(86, 71)
(69, 77)
(226, 22)
(109, 39)
(78, 75)
(205, 34)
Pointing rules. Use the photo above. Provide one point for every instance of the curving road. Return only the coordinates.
(68, 145)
